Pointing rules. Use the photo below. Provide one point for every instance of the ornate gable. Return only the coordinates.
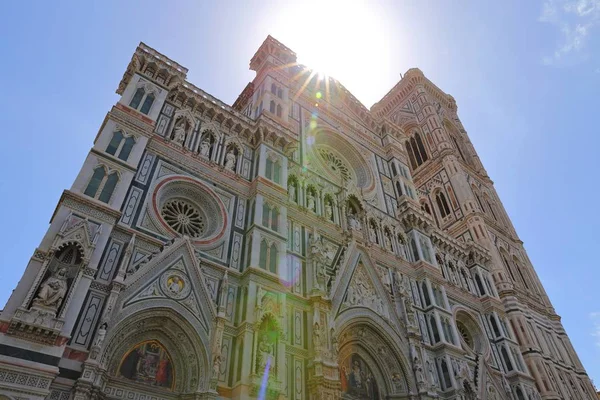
(173, 276)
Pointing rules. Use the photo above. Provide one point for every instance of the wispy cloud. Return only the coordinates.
(575, 20)
(595, 317)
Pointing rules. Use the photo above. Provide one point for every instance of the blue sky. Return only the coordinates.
(525, 75)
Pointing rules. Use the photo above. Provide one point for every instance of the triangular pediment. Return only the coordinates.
(172, 277)
(361, 287)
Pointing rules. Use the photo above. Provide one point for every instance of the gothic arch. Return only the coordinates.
(381, 348)
(182, 341)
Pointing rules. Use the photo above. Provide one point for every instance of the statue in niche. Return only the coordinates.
(52, 290)
(266, 351)
(204, 148)
(217, 365)
(372, 233)
(418, 368)
(311, 200)
(432, 376)
(180, 133)
(230, 160)
(292, 192)
(316, 336)
(319, 260)
(328, 211)
(387, 241)
(101, 335)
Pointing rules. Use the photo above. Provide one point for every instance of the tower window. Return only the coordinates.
(272, 107)
(102, 182)
(117, 146)
(273, 88)
(416, 151)
(95, 182)
(506, 358)
(143, 98)
(109, 187)
(147, 104)
(442, 204)
(115, 142)
(280, 93)
(268, 257)
(279, 110)
(137, 98)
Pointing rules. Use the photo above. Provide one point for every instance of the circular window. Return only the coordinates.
(335, 163)
(184, 206)
(184, 218)
(464, 333)
(471, 334)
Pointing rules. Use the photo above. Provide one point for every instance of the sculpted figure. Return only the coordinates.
(292, 192)
(205, 148)
(230, 160)
(372, 234)
(311, 201)
(179, 136)
(101, 335)
(265, 349)
(387, 241)
(328, 211)
(316, 336)
(53, 290)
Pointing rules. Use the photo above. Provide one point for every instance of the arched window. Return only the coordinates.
(446, 374)
(442, 204)
(272, 107)
(273, 259)
(293, 189)
(435, 334)
(279, 93)
(464, 278)
(494, 325)
(137, 98)
(95, 182)
(425, 207)
(508, 267)
(263, 255)
(266, 216)
(279, 110)
(115, 142)
(416, 151)
(274, 219)
(479, 284)
(147, 104)
(522, 277)
(126, 149)
(426, 298)
(109, 187)
(506, 358)
(458, 148)
(273, 88)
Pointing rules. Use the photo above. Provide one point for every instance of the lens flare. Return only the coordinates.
(262, 394)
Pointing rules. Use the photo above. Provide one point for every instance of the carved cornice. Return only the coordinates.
(88, 206)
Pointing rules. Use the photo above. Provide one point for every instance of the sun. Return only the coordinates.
(343, 39)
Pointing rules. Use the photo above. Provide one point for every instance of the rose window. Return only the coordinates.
(184, 218)
(335, 163)
(184, 206)
(464, 333)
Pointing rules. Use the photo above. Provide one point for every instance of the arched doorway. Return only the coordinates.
(371, 364)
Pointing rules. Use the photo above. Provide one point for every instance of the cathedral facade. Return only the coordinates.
(295, 245)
